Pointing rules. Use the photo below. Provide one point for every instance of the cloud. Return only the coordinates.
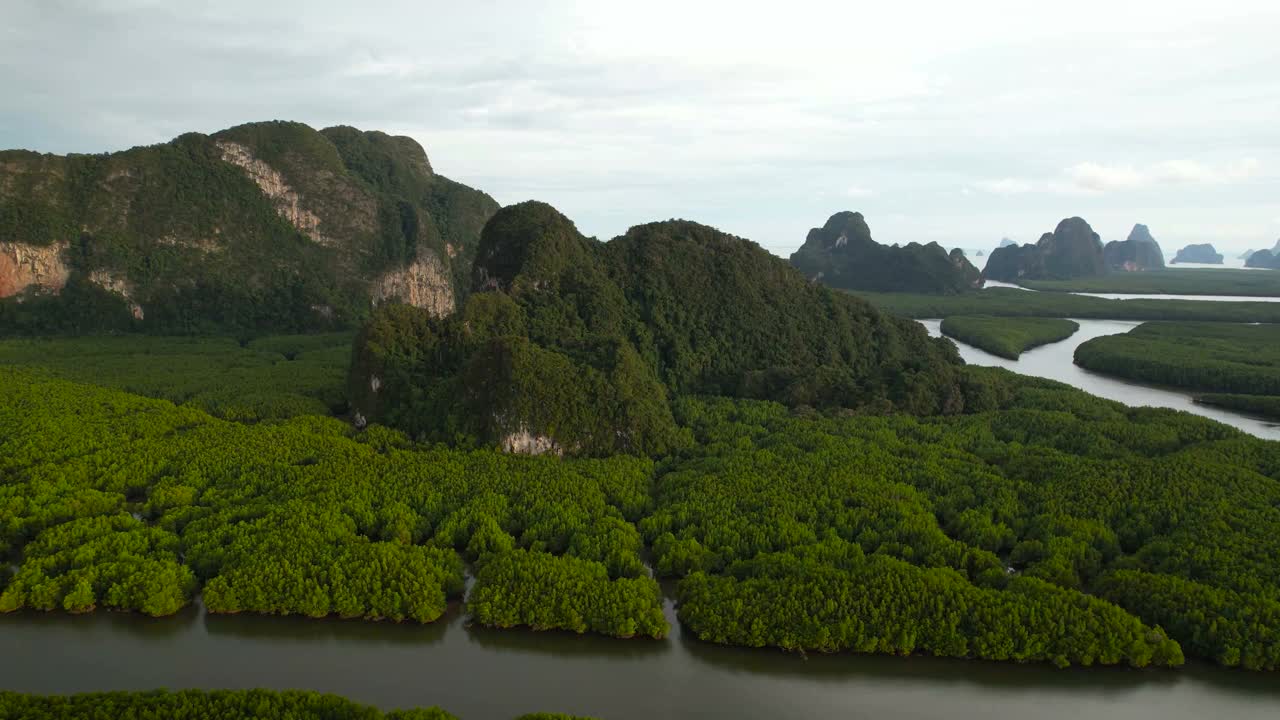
(1191, 172)
(857, 191)
(1103, 178)
(1096, 178)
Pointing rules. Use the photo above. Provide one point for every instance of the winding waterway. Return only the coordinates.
(1056, 362)
(485, 674)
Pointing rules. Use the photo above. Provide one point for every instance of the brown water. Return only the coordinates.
(481, 674)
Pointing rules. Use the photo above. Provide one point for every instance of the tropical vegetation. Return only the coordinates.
(1207, 357)
(1007, 337)
(579, 347)
(1045, 525)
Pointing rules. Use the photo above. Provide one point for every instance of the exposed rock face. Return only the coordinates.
(1202, 253)
(527, 443)
(1137, 253)
(25, 266)
(287, 200)
(841, 254)
(423, 284)
(119, 285)
(1072, 250)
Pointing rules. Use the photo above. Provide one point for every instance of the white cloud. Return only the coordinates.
(1102, 178)
(857, 191)
(1095, 178)
(1191, 172)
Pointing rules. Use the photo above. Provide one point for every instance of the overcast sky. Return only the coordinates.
(960, 122)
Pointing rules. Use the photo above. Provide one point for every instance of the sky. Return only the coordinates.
(956, 122)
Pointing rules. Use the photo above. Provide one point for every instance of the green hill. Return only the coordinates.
(265, 226)
(571, 345)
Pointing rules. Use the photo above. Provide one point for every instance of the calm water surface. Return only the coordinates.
(1056, 362)
(1153, 296)
(479, 674)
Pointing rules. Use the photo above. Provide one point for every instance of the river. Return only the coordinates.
(488, 675)
(1056, 361)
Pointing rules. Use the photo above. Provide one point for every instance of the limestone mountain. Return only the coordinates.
(1006, 242)
(571, 345)
(1138, 252)
(841, 254)
(1202, 253)
(1269, 259)
(1072, 250)
(271, 225)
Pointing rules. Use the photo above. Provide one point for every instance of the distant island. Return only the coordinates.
(1072, 250)
(1137, 253)
(1202, 253)
(1269, 259)
(841, 254)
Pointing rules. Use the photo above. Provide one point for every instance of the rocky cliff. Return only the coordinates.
(1137, 253)
(265, 226)
(1072, 250)
(841, 254)
(1202, 253)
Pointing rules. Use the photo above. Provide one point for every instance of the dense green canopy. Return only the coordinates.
(578, 346)
(1007, 337)
(1051, 527)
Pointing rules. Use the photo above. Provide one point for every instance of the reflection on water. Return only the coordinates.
(1056, 362)
(480, 674)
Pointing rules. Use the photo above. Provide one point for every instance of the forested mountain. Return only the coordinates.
(1072, 250)
(841, 254)
(1136, 253)
(265, 226)
(568, 344)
